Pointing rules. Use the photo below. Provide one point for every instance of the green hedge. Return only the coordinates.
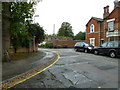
(49, 45)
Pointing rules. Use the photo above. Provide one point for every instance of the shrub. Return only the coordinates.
(59, 46)
(49, 44)
(43, 46)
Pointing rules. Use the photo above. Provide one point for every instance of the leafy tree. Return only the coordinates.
(80, 36)
(20, 12)
(37, 31)
(14, 14)
(65, 30)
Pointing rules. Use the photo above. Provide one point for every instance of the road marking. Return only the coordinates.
(58, 56)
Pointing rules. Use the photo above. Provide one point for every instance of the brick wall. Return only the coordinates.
(24, 49)
(63, 43)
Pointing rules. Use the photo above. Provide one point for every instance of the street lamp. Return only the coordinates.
(34, 35)
(34, 17)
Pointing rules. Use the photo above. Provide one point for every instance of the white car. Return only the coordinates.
(42, 43)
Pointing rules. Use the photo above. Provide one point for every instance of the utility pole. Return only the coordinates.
(34, 35)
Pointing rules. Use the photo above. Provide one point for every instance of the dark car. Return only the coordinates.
(111, 48)
(83, 46)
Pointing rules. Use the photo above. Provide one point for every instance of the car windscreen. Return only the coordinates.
(77, 44)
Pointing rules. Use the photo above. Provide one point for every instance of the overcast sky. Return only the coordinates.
(76, 12)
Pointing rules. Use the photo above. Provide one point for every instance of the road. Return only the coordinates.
(76, 69)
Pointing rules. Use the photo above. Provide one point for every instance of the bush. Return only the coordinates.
(59, 46)
(55, 46)
(43, 46)
(49, 45)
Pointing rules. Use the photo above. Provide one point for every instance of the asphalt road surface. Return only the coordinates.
(78, 70)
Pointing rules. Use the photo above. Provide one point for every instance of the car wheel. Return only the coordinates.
(76, 49)
(96, 52)
(112, 54)
(86, 51)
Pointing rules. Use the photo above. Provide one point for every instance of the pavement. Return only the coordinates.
(13, 68)
(26, 68)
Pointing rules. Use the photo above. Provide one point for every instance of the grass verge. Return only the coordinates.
(19, 56)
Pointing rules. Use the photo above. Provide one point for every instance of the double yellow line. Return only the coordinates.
(58, 56)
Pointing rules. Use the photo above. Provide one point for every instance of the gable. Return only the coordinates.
(94, 18)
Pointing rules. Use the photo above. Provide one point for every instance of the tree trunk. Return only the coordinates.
(15, 50)
(5, 31)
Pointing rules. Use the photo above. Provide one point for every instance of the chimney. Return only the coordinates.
(106, 11)
(116, 4)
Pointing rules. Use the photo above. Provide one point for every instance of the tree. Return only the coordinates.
(65, 30)
(80, 36)
(12, 9)
(20, 12)
(37, 31)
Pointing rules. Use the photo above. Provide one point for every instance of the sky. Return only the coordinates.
(75, 12)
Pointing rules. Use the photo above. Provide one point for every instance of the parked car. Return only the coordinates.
(111, 48)
(83, 46)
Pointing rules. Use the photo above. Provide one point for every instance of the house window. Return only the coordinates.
(92, 28)
(111, 26)
(92, 41)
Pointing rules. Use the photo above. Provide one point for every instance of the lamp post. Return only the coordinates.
(34, 43)
(34, 17)
(34, 35)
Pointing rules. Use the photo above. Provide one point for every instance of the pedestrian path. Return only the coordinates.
(13, 68)
(48, 58)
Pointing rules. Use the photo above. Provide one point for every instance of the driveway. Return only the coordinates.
(78, 70)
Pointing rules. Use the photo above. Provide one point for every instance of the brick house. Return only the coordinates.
(107, 29)
(94, 31)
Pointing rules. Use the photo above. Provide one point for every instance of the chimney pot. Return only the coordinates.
(116, 4)
(106, 11)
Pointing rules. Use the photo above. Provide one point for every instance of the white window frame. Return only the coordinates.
(109, 26)
(111, 20)
(92, 43)
(92, 28)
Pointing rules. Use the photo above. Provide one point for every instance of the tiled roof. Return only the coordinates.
(98, 19)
